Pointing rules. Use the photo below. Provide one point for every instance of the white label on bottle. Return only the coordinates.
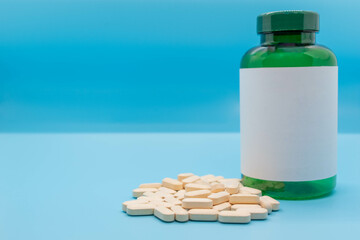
(288, 123)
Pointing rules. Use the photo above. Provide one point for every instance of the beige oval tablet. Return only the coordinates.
(190, 179)
(126, 203)
(217, 187)
(140, 191)
(249, 190)
(266, 204)
(181, 215)
(194, 186)
(182, 176)
(140, 209)
(244, 198)
(256, 213)
(164, 214)
(150, 185)
(219, 197)
(274, 203)
(244, 206)
(197, 194)
(201, 203)
(223, 206)
(235, 216)
(172, 184)
(203, 214)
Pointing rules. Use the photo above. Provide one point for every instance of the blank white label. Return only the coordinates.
(288, 123)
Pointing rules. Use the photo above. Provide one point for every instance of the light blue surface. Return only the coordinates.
(147, 65)
(70, 186)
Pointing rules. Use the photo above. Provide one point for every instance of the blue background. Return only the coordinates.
(81, 81)
(135, 66)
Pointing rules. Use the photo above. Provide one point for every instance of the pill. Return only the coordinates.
(181, 215)
(203, 214)
(149, 198)
(217, 187)
(274, 203)
(126, 203)
(222, 206)
(251, 191)
(244, 198)
(229, 180)
(150, 185)
(198, 194)
(266, 204)
(256, 213)
(190, 179)
(219, 197)
(197, 203)
(209, 176)
(193, 187)
(164, 214)
(232, 187)
(140, 209)
(164, 204)
(180, 194)
(202, 182)
(217, 178)
(167, 190)
(182, 176)
(149, 194)
(244, 206)
(172, 184)
(234, 216)
(173, 200)
(139, 191)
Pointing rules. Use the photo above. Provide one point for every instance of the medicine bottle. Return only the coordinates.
(288, 109)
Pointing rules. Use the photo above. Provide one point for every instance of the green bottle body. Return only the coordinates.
(290, 49)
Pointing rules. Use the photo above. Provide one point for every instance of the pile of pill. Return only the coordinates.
(205, 198)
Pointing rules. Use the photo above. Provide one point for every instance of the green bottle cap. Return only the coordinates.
(291, 20)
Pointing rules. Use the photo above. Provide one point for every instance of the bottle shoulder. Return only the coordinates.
(288, 56)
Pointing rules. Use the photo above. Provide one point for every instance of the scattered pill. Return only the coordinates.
(256, 213)
(234, 216)
(150, 185)
(266, 204)
(198, 194)
(190, 179)
(232, 187)
(219, 178)
(180, 194)
(244, 198)
(203, 214)
(193, 187)
(125, 204)
(222, 206)
(199, 203)
(181, 215)
(140, 209)
(244, 206)
(274, 203)
(164, 214)
(167, 190)
(217, 187)
(219, 197)
(173, 200)
(172, 184)
(139, 191)
(253, 191)
(182, 176)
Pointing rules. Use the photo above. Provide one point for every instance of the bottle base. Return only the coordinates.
(293, 190)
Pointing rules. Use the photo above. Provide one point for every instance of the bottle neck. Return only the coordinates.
(288, 38)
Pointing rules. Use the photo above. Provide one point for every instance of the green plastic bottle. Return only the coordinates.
(288, 109)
